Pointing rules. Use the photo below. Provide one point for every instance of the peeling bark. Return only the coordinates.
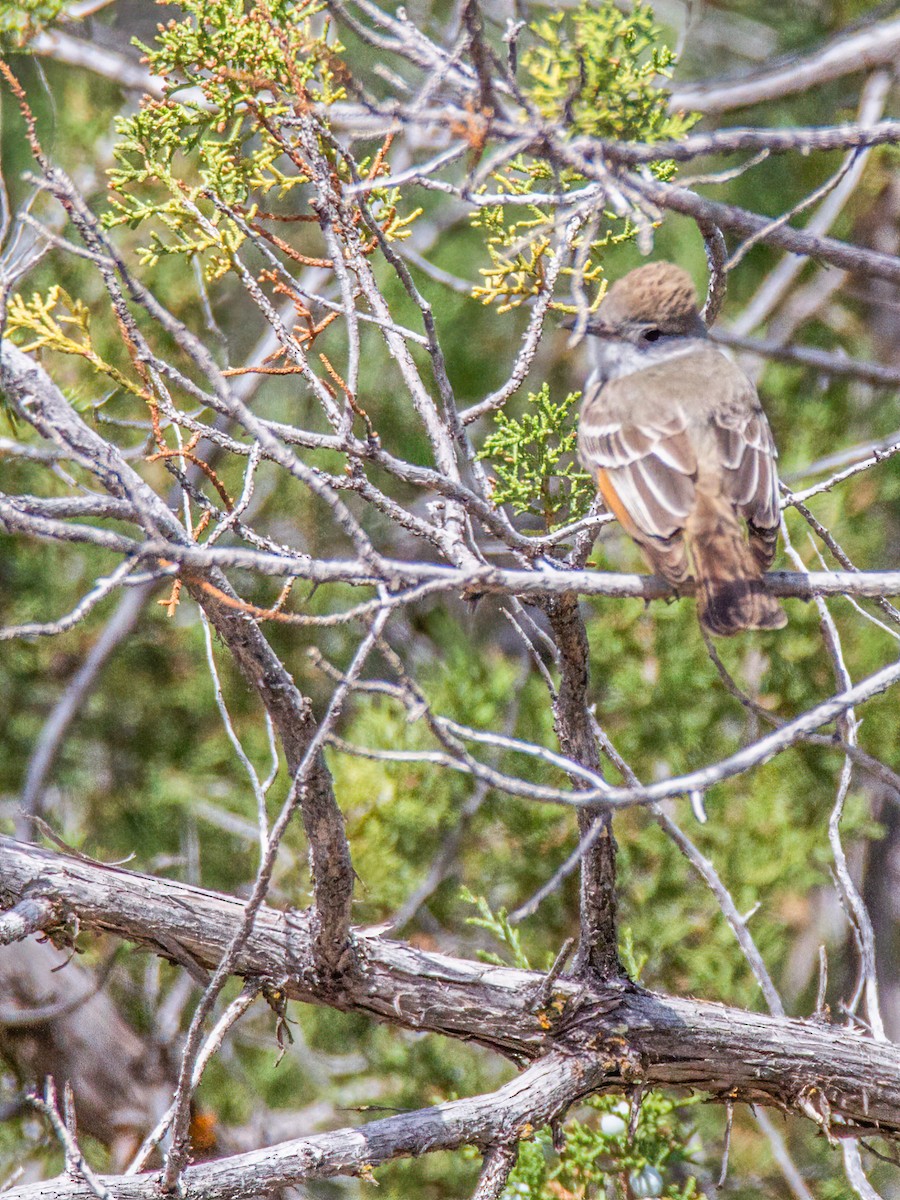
(623, 1034)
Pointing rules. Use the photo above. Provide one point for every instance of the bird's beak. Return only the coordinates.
(594, 328)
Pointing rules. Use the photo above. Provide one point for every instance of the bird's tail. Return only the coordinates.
(730, 592)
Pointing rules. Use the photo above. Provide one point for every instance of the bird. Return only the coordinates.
(675, 438)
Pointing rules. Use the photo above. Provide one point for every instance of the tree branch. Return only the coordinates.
(598, 951)
(630, 1034)
(528, 1101)
(800, 138)
(874, 46)
(828, 362)
(498, 1164)
(36, 396)
(740, 220)
(425, 578)
(30, 915)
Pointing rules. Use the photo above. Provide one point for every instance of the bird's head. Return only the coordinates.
(651, 304)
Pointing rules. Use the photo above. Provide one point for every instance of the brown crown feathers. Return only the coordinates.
(660, 293)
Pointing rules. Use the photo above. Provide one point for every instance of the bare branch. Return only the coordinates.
(829, 363)
(797, 241)
(717, 262)
(781, 1154)
(598, 952)
(498, 1164)
(875, 45)
(856, 136)
(540, 1093)
(623, 1030)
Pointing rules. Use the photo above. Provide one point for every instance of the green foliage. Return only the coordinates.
(534, 458)
(596, 71)
(21, 20)
(497, 923)
(185, 164)
(656, 1162)
(56, 321)
(230, 49)
(632, 962)
(243, 64)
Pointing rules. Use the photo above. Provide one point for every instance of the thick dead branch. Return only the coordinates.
(623, 1033)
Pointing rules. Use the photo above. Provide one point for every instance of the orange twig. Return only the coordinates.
(288, 218)
(174, 598)
(185, 452)
(260, 614)
(171, 604)
(304, 260)
(19, 92)
(334, 375)
(379, 167)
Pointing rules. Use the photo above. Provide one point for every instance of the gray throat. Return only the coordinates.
(614, 358)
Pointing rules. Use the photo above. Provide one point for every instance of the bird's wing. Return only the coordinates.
(748, 456)
(645, 469)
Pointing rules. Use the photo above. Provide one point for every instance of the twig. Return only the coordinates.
(54, 730)
(777, 283)
(453, 839)
(542, 994)
(782, 1156)
(538, 1094)
(208, 1051)
(828, 363)
(717, 263)
(853, 1169)
(726, 1148)
(76, 1164)
(85, 605)
(848, 726)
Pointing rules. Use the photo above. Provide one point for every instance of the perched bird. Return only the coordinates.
(673, 433)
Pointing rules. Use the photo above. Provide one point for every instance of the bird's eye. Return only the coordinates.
(652, 335)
